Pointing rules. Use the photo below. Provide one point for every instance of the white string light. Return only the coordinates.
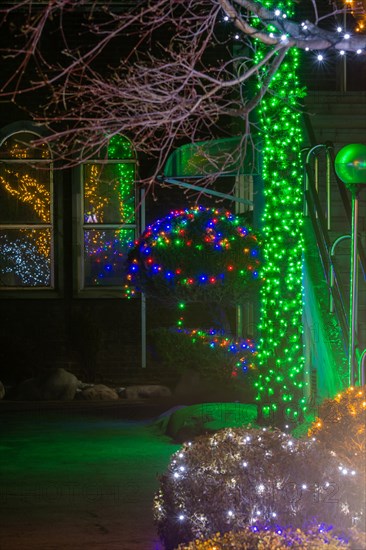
(248, 443)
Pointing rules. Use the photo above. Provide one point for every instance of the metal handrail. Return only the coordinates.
(322, 225)
(348, 210)
(332, 273)
(362, 368)
(328, 267)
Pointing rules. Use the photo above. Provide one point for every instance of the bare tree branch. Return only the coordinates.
(173, 77)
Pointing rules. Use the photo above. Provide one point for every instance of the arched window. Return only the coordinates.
(108, 211)
(26, 213)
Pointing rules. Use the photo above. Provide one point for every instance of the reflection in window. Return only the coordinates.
(109, 193)
(25, 257)
(105, 255)
(25, 213)
(109, 214)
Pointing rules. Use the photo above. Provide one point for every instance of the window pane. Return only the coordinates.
(24, 194)
(21, 146)
(109, 193)
(25, 257)
(120, 148)
(105, 252)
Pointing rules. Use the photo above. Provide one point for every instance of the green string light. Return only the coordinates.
(280, 351)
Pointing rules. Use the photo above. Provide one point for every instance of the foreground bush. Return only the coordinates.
(265, 539)
(240, 477)
(341, 426)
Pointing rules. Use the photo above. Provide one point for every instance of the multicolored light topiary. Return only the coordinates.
(195, 255)
(241, 352)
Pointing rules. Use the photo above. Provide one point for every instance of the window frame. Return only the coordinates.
(26, 127)
(79, 226)
(64, 281)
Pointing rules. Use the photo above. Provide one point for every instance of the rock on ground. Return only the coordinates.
(99, 392)
(52, 384)
(146, 391)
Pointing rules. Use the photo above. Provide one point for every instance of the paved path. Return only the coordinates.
(71, 480)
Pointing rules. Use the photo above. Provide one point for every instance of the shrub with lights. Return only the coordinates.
(268, 539)
(246, 477)
(341, 426)
(195, 255)
(216, 356)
